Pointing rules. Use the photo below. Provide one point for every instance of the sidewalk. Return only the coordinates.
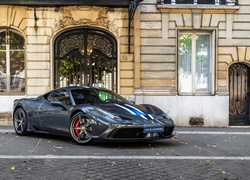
(215, 129)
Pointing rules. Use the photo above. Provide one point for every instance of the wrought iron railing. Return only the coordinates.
(184, 1)
(195, 2)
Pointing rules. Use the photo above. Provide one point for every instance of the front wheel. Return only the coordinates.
(20, 121)
(80, 128)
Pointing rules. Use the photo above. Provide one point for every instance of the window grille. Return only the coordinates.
(210, 2)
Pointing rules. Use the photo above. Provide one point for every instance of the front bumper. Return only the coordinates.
(133, 133)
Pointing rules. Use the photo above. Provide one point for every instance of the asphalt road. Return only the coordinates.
(193, 153)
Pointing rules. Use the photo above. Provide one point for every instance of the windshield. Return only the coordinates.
(97, 96)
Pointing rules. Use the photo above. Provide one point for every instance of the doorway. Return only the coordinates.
(239, 95)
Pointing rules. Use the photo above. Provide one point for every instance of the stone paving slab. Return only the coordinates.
(113, 169)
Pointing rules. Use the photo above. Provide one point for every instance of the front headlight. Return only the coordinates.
(162, 116)
(165, 118)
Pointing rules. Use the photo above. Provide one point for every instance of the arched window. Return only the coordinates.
(86, 57)
(12, 63)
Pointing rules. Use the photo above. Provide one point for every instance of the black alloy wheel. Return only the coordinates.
(20, 121)
(80, 128)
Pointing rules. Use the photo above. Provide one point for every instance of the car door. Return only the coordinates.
(32, 106)
(55, 118)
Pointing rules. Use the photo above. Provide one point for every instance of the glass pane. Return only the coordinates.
(62, 96)
(202, 74)
(3, 87)
(185, 63)
(184, 1)
(206, 1)
(16, 41)
(223, 2)
(167, 1)
(103, 70)
(17, 71)
(111, 97)
(2, 41)
(70, 70)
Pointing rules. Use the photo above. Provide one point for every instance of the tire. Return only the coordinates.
(80, 129)
(20, 122)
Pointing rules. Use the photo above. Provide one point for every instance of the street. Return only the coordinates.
(193, 153)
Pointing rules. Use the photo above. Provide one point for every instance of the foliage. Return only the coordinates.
(70, 66)
(185, 50)
(16, 52)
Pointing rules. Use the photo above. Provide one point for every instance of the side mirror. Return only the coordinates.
(58, 103)
(132, 102)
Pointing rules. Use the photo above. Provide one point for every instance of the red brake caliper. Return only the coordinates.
(77, 125)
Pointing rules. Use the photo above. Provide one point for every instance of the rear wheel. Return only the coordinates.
(20, 121)
(80, 128)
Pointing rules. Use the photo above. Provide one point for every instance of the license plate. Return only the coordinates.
(153, 129)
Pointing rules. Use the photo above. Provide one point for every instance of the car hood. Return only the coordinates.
(135, 114)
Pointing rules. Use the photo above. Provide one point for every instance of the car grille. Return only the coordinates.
(129, 133)
(168, 131)
(137, 133)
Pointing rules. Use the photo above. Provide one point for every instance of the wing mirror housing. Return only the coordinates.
(58, 103)
(132, 102)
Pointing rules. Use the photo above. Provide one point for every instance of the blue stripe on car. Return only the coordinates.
(137, 111)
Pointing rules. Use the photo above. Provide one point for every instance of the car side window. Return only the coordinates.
(84, 97)
(62, 96)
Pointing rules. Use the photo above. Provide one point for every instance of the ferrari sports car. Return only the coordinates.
(89, 114)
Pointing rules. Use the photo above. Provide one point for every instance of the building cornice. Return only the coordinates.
(65, 2)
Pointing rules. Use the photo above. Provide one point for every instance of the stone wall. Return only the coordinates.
(42, 25)
(40, 33)
(151, 68)
(160, 24)
(158, 50)
(234, 42)
(159, 29)
(6, 118)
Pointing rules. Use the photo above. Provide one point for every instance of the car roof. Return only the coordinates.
(69, 88)
(80, 87)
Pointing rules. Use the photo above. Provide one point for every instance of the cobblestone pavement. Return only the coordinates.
(17, 157)
(112, 169)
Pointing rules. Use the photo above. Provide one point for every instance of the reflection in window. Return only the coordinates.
(194, 63)
(184, 1)
(97, 96)
(12, 69)
(60, 95)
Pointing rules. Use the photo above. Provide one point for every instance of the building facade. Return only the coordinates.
(188, 57)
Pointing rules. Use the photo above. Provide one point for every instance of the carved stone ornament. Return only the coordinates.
(86, 16)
